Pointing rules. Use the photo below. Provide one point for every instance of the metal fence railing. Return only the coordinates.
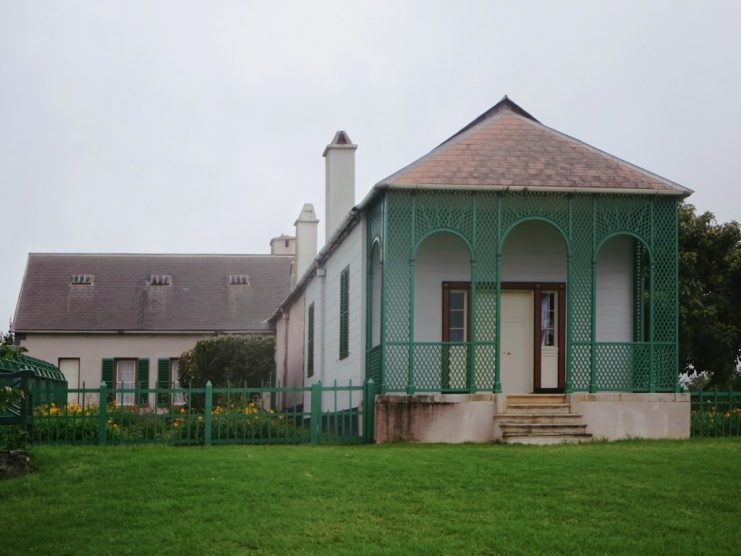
(716, 413)
(203, 416)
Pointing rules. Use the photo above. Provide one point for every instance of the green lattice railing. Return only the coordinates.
(401, 220)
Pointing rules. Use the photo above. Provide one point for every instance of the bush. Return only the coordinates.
(227, 360)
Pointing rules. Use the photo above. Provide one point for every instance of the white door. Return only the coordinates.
(516, 345)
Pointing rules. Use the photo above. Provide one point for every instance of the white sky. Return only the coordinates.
(198, 127)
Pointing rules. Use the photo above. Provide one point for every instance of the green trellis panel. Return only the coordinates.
(400, 220)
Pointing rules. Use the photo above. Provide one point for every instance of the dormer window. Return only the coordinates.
(238, 279)
(82, 279)
(160, 280)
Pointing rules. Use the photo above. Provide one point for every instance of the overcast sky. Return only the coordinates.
(198, 127)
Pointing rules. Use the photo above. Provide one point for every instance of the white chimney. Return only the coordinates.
(306, 229)
(339, 191)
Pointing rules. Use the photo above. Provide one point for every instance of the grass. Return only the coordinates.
(649, 497)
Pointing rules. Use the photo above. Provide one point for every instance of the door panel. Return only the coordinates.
(516, 346)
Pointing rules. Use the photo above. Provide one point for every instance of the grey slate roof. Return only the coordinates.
(121, 298)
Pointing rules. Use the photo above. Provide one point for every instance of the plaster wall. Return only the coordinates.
(449, 418)
(614, 416)
(91, 349)
(290, 341)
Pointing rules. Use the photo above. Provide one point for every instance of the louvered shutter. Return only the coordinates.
(163, 381)
(107, 377)
(142, 379)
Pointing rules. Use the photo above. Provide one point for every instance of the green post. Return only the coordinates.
(651, 328)
(593, 316)
(103, 414)
(316, 411)
(207, 416)
(498, 301)
(569, 385)
(412, 272)
(369, 406)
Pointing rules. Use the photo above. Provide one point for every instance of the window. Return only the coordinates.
(310, 341)
(178, 398)
(344, 312)
(70, 367)
(238, 279)
(548, 319)
(82, 279)
(455, 311)
(160, 280)
(125, 378)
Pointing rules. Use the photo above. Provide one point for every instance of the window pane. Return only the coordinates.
(456, 334)
(456, 319)
(125, 379)
(457, 301)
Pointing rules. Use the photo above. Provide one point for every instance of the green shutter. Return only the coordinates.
(310, 341)
(107, 377)
(142, 380)
(344, 312)
(163, 381)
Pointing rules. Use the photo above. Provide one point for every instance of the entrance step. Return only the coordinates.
(532, 409)
(539, 419)
(535, 398)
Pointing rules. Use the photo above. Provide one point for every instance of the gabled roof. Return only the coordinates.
(506, 147)
(194, 294)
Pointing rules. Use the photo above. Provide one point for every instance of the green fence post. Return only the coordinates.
(103, 414)
(316, 411)
(369, 406)
(207, 416)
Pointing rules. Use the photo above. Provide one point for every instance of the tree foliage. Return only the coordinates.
(710, 296)
(223, 360)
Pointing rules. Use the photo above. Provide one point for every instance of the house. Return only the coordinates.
(514, 283)
(127, 318)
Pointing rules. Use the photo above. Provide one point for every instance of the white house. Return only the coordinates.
(514, 283)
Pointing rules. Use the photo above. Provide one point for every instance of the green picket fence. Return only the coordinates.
(716, 413)
(206, 416)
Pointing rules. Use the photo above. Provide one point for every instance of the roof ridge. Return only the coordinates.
(504, 105)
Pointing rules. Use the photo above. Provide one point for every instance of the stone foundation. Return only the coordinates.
(455, 418)
(449, 418)
(614, 416)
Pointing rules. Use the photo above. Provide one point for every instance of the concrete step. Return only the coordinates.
(535, 398)
(542, 428)
(545, 438)
(532, 409)
(564, 418)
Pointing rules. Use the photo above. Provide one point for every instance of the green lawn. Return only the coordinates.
(635, 497)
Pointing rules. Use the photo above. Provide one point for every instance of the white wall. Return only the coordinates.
(615, 291)
(534, 251)
(324, 292)
(442, 257)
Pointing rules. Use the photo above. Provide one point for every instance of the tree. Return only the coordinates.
(710, 294)
(8, 347)
(223, 360)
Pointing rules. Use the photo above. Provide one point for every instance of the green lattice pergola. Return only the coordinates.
(400, 220)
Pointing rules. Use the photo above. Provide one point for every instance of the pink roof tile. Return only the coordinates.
(507, 147)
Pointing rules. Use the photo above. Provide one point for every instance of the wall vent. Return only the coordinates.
(238, 279)
(82, 279)
(160, 280)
